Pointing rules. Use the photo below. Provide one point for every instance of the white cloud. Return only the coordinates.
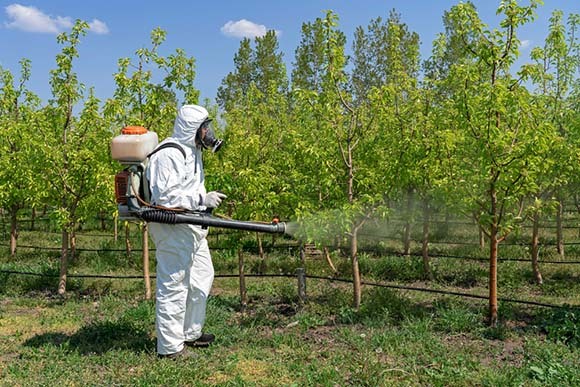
(244, 29)
(98, 27)
(31, 19)
(525, 43)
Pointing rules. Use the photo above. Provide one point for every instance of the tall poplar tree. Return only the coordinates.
(237, 83)
(381, 54)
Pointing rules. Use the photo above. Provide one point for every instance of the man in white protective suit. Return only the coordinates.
(184, 267)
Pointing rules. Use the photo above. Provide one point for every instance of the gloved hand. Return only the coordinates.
(213, 199)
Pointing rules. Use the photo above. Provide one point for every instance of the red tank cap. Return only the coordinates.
(133, 130)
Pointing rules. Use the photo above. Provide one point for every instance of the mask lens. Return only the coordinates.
(210, 141)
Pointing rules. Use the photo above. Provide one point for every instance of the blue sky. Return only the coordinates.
(210, 31)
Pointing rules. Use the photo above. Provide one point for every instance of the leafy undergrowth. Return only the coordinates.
(106, 337)
(102, 332)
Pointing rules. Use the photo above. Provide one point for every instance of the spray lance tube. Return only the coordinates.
(132, 189)
(137, 208)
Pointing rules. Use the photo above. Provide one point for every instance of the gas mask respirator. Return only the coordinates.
(209, 141)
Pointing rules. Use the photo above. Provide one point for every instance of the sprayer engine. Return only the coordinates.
(129, 189)
(132, 194)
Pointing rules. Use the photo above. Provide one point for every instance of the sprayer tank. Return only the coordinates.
(133, 144)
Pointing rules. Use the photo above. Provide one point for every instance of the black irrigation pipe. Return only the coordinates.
(72, 275)
(376, 284)
(464, 243)
(446, 292)
(395, 253)
(135, 249)
(399, 254)
(79, 250)
(106, 276)
(451, 223)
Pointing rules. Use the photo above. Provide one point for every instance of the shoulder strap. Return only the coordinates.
(168, 145)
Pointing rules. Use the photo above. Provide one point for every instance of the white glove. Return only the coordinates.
(213, 199)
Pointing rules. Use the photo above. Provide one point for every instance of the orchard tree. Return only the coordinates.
(497, 157)
(254, 96)
(20, 186)
(74, 151)
(250, 169)
(313, 156)
(392, 57)
(347, 187)
(555, 74)
(316, 166)
(139, 100)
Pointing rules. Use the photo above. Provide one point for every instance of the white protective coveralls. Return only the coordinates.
(184, 268)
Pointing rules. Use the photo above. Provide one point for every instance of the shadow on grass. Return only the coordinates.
(98, 338)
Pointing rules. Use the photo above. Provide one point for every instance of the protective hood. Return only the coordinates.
(189, 119)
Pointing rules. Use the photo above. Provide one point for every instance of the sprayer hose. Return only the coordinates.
(159, 216)
(205, 220)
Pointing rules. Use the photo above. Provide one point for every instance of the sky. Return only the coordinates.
(210, 31)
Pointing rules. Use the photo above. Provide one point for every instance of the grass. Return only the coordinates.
(102, 331)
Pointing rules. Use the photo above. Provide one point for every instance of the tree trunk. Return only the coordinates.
(445, 226)
(559, 228)
(481, 237)
(577, 204)
(243, 292)
(302, 253)
(13, 229)
(32, 218)
(329, 261)
(536, 249)
(493, 306)
(261, 253)
(356, 280)
(3, 223)
(301, 276)
(408, 225)
(493, 247)
(115, 228)
(127, 240)
(146, 277)
(63, 262)
(425, 244)
(73, 244)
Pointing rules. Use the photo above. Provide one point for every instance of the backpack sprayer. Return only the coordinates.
(132, 149)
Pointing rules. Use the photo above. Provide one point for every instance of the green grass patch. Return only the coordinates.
(102, 331)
